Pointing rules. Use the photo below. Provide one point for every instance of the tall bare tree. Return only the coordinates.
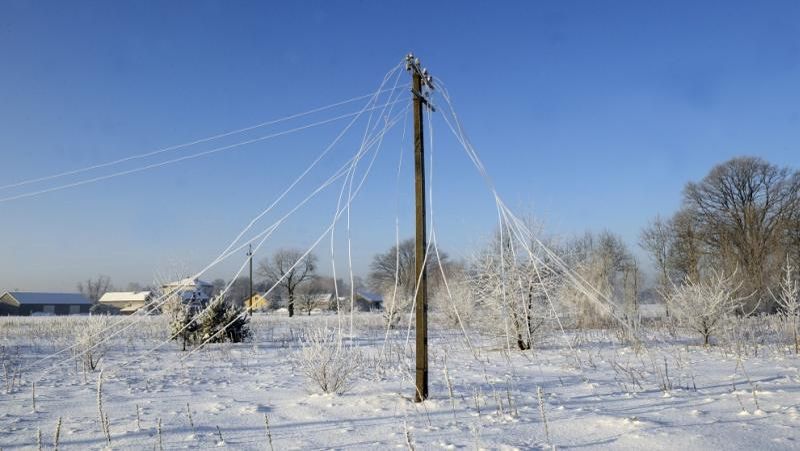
(658, 240)
(744, 207)
(686, 256)
(290, 269)
(399, 262)
(94, 289)
(604, 262)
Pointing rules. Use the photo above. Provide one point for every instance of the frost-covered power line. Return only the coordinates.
(179, 159)
(190, 143)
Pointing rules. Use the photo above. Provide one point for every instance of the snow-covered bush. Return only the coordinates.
(11, 367)
(788, 300)
(222, 322)
(514, 289)
(327, 362)
(183, 326)
(91, 343)
(396, 304)
(701, 306)
(456, 305)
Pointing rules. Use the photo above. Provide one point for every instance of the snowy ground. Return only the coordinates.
(671, 394)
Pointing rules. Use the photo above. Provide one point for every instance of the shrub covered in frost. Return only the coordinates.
(327, 362)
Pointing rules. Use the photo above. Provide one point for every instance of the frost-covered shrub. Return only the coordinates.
(396, 304)
(788, 300)
(513, 290)
(327, 362)
(11, 367)
(183, 326)
(92, 343)
(702, 306)
(458, 305)
(220, 322)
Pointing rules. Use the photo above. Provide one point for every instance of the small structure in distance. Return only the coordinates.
(257, 302)
(367, 301)
(126, 302)
(26, 303)
(190, 291)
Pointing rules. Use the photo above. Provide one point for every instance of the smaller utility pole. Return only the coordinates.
(420, 80)
(250, 299)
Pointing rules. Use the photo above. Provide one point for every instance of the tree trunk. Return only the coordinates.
(291, 303)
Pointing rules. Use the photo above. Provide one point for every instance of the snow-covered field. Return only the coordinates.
(597, 392)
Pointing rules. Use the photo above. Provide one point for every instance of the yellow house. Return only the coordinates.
(257, 302)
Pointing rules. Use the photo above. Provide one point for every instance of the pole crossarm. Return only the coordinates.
(413, 65)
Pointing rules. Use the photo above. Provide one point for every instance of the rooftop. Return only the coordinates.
(123, 296)
(31, 297)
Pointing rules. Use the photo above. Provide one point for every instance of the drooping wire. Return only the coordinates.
(186, 144)
(176, 160)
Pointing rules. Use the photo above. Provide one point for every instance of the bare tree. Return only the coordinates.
(397, 266)
(702, 305)
(396, 263)
(744, 207)
(603, 262)
(290, 269)
(658, 239)
(513, 285)
(631, 281)
(687, 253)
(95, 289)
(310, 296)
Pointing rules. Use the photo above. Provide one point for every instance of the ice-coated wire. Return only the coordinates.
(341, 193)
(189, 143)
(393, 303)
(176, 160)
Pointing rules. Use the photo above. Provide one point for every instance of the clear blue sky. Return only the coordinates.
(588, 115)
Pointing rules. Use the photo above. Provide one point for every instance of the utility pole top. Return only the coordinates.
(413, 64)
(425, 80)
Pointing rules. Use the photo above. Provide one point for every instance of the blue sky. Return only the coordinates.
(588, 115)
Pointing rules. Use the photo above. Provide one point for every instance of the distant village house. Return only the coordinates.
(126, 302)
(190, 291)
(367, 302)
(257, 302)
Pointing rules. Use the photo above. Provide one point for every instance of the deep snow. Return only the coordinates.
(618, 397)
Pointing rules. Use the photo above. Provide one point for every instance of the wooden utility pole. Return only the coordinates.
(420, 79)
(250, 299)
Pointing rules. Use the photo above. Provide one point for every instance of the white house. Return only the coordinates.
(191, 291)
(127, 302)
